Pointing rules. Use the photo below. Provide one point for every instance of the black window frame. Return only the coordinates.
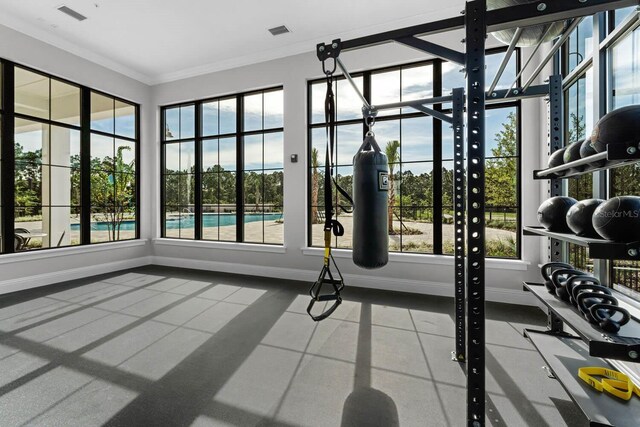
(198, 139)
(8, 155)
(437, 158)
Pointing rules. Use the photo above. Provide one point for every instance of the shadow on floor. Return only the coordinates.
(168, 346)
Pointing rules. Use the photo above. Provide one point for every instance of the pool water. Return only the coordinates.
(188, 221)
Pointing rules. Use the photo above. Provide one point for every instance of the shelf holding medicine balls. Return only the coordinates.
(625, 345)
(617, 155)
(598, 248)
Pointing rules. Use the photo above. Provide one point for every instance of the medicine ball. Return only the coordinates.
(530, 35)
(618, 219)
(557, 159)
(552, 214)
(572, 153)
(587, 150)
(617, 127)
(579, 218)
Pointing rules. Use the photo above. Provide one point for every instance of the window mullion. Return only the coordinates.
(239, 169)
(85, 165)
(437, 190)
(198, 205)
(8, 158)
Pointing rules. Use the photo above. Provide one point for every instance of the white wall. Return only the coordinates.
(23, 270)
(418, 273)
(406, 272)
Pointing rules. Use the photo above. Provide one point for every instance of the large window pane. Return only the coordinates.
(407, 137)
(219, 137)
(65, 103)
(210, 118)
(102, 113)
(31, 94)
(48, 185)
(253, 112)
(625, 68)
(125, 115)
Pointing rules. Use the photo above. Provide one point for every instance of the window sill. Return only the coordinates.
(68, 251)
(231, 246)
(503, 264)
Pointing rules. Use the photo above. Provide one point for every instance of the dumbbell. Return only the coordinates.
(559, 279)
(549, 268)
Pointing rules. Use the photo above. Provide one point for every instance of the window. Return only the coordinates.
(622, 88)
(223, 169)
(625, 90)
(579, 123)
(420, 152)
(113, 169)
(56, 162)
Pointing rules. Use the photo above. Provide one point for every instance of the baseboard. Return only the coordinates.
(509, 296)
(38, 280)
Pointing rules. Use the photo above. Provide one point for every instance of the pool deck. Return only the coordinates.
(273, 232)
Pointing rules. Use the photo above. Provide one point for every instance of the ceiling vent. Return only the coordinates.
(276, 31)
(72, 13)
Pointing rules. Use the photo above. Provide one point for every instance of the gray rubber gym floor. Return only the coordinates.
(169, 347)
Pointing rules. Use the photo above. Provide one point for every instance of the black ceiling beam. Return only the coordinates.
(416, 30)
(434, 49)
(523, 15)
(543, 12)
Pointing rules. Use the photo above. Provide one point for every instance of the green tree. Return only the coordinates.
(28, 180)
(113, 190)
(577, 128)
(501, 172)
(315, 183)
(392, 150)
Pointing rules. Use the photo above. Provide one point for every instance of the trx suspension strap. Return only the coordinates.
(613, 382)
(331, 226)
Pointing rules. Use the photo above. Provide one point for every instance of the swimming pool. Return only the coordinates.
(188, 221)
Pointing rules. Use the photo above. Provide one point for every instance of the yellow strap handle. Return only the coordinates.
(614, 382)
(327, 247)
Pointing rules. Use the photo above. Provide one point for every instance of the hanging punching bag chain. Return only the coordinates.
(331, 226)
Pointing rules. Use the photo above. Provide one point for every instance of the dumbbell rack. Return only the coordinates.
(586, 345)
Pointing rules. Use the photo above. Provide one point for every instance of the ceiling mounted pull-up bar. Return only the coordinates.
(433, 49)
(433, 113)
(526, 65)
(552, 52)
(507, 57)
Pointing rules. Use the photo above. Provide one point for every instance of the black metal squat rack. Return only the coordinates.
(469, 182)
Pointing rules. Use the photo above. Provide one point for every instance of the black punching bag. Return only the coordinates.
(370, 205)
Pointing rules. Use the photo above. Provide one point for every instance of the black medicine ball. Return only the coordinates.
(618, 219)
(552, 214)
(579, 218)
(557, 159)
(617, 127)
(572, 153)
(587, 150)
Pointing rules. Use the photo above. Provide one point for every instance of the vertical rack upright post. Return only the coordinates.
(460, 354)
(475, 61)
(556, 137)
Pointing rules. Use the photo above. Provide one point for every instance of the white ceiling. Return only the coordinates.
(156, 41)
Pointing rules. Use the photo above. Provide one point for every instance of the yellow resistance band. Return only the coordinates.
(613, 382)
